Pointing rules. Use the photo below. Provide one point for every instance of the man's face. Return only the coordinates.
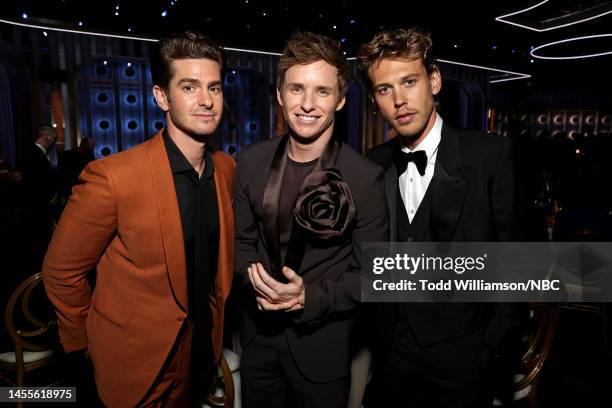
(48, 137)
(310, 97)
(194, 98)
(404, 93)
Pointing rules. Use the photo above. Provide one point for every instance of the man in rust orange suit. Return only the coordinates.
(156, 223)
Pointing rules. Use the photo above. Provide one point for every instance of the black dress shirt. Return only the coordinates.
(197, 200)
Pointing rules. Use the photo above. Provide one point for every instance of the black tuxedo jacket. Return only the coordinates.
(472, 200)
(39, 178)
(319, 335)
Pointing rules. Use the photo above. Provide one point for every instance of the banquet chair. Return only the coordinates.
(535, 349)
(31, 325)
(225, 390)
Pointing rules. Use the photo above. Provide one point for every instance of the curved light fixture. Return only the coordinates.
(65, 30)
(505, 74)
(502, 19)
(605, 8)
(570, 57)
(126, 37)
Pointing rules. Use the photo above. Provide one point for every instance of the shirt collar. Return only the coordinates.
(431, 141)
(178, 161)
(41, 148)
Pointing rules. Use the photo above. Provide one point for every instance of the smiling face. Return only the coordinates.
(310, 97)
(193, 101)
(404, 93)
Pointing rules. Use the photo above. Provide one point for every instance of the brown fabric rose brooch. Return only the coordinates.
(325, 208)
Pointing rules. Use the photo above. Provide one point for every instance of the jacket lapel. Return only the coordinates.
(224, 179)
(170, 219)
(391, 194)
(224, 170)
(448, 187)
(271, 202)
(385, 160)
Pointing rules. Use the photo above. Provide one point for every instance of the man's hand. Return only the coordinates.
(273, 295)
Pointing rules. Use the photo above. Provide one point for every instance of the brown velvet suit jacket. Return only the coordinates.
(123, 219)
(318, 336)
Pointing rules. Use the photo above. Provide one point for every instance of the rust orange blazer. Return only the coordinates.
(124, 220)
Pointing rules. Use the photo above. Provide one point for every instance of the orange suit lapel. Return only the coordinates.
(170, 218)
(224, 178)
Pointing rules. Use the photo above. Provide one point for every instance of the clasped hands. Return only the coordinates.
(274, 295)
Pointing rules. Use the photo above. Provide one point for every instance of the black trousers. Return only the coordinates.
(270, 378)
(454, 373)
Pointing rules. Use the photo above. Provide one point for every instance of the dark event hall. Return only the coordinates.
(187, 189)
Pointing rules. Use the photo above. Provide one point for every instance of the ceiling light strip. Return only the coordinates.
(502, 19)
(586, 37)
(66, 30)
(518, 75)
(126, 37)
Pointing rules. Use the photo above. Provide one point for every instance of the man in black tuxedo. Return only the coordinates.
(442, 185)
(39, 176)
(303, 203)
(40, 187)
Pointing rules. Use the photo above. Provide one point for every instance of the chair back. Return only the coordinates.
(21, 304)
(30, 320)
(542, 327)
(225, 389)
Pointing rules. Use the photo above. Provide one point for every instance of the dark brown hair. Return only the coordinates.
(189, 44)
(402, 44)
(305, 48)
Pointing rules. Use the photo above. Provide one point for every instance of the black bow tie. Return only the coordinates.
(419, 158)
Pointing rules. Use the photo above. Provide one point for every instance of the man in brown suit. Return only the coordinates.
(156, 222)
(304, 204)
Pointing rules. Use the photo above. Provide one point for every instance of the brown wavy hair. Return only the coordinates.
(305, 48)
(190, 44)
(401, 44)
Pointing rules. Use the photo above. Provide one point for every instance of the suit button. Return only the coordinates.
(401, 329)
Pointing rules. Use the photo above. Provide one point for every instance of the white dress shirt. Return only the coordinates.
(412, 185)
